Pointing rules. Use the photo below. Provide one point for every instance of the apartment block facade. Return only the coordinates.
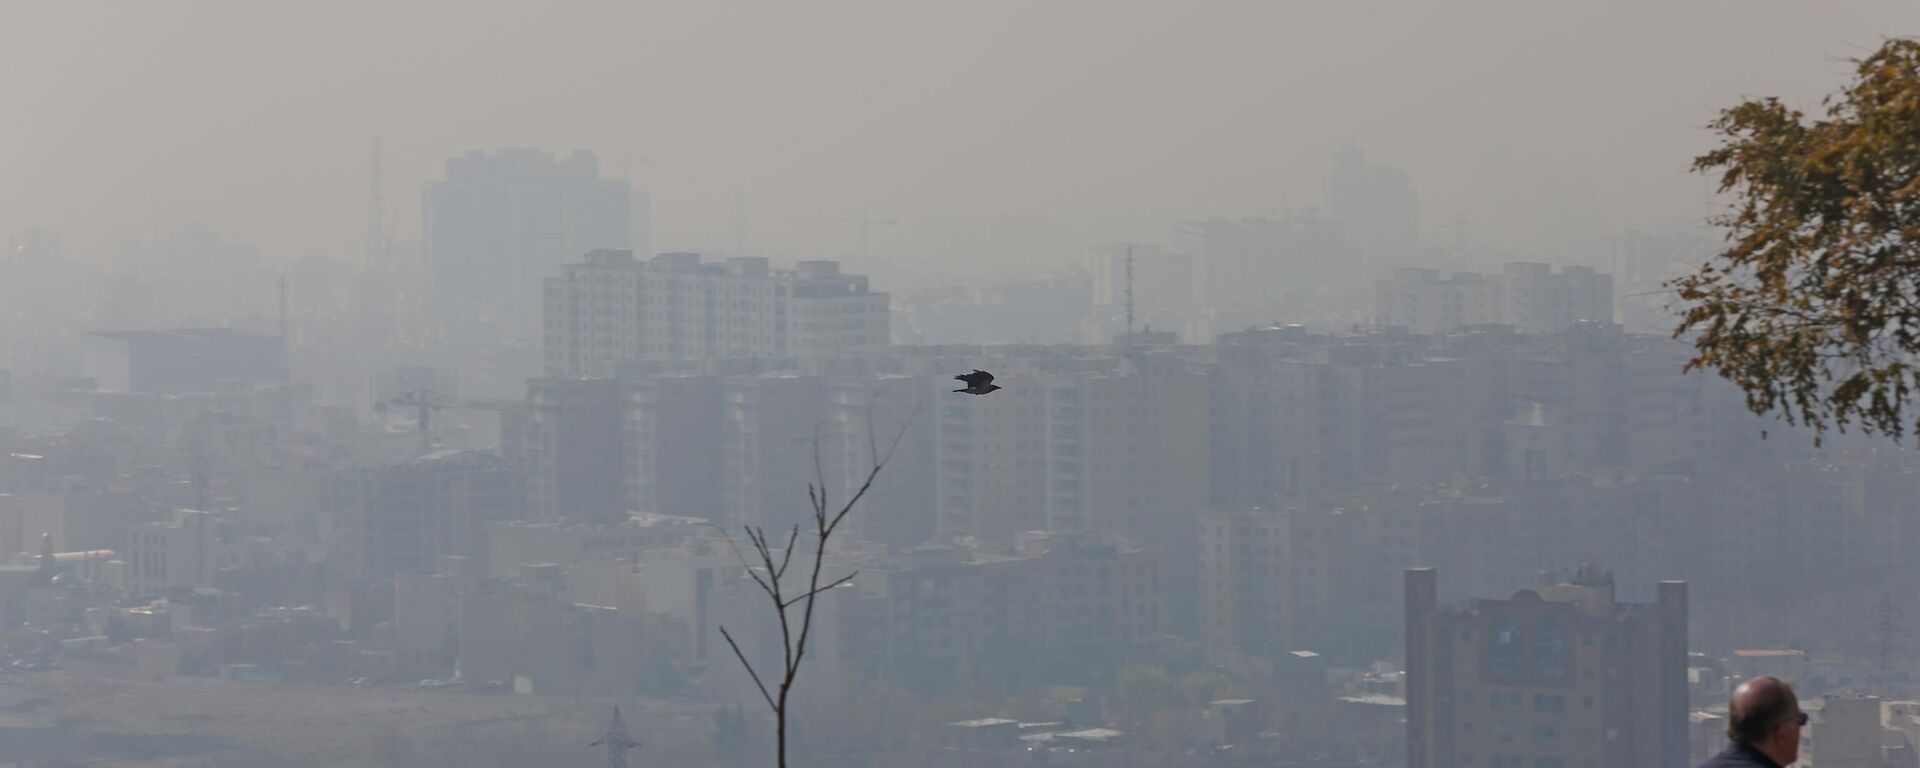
(1560, 676)
(611, 309)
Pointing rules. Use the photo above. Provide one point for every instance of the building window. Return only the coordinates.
(1509, 653)
(1547, 702)
(1549, 650)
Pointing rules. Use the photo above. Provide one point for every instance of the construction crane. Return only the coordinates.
(616, 741)
(866, 229)
(426, 401)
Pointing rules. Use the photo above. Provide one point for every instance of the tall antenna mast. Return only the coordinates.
(616, 741)
(1129, 293)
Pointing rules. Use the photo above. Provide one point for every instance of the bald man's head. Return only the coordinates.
(1758, 708)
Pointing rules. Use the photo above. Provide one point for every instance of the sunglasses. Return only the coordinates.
(1802, 719)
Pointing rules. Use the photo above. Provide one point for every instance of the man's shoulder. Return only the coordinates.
(1735, 757)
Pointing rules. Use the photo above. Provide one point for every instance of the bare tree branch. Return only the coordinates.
(847, 579)
(747, 664)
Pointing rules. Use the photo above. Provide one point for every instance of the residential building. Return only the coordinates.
(611, 309)
(184, 552)
(680, 582)
(401, 518)
(1531, 297)
(1247, 270)
(1561, 676)
(993, 463)
(182, 360)
(1276, 580)
(673, 444)
(773, 444)
(1857, 732)
(872, 415)
(575, 443)
(1374, 206)
(1058, 602)
(503, 221)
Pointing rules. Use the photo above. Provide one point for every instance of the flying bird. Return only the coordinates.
(978, 383)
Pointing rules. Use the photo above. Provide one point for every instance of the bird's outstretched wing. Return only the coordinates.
(976, 379)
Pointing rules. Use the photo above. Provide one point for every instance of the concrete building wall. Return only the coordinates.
(1563, 675)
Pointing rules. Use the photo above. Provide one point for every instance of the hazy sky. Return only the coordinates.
(255, 118)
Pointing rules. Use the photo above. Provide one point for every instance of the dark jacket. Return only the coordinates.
(1740, 756)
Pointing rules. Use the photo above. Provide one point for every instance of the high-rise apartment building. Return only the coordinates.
(952, 618)
(1247, 269)
(867, 414)
(673, 444)
(993, 463)
(1115, 450)
(772, 428)
(402, 518)
(574, 440)
(1374, 205)
(1561, 676)
(1270, 579)
(1295, 415)
(1530, 297)
(501, 222)
(612, 309)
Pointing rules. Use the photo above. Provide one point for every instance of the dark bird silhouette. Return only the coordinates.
(978, 383)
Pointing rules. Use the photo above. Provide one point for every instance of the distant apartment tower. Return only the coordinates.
(898, 510)
(574, 442)
(183, 360)
(1247, 268)
(1557, 677)
(501, 222)
(769, 425)
(950, 616)
(1530, 297)
(611, 309)
(402, 518)
(1337, 415)
(1118, 450)
(992, 471)
(673, 444)
(1374, 205)
(1272, 580)
(181, 553)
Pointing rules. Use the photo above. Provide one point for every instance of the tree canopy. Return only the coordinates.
(1813, 307)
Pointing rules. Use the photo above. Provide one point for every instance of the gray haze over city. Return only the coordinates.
(399, 385)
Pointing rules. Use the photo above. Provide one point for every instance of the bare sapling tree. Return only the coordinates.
(793, 600)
